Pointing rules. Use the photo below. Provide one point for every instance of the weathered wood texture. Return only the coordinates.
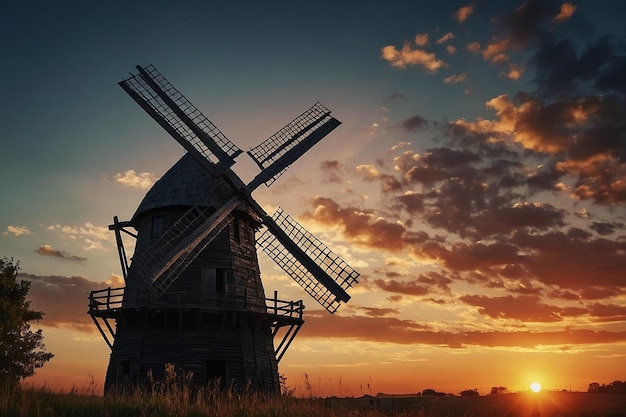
(212, 330)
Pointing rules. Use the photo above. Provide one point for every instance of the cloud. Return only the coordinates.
(411, 285)
(567, 10)
(496, 51)
(409, 56)
(93, 237)
(332, 171)
(580, 136)
(368, 172)
(379, 312)
(399, 145)
(414, 123)
(527, 308)
(47, 250)
(445, 38)
(455, 78)
(133, 179)
(463, 13)
(360, 227)
(526, 25)
(514, 72)
(287, 186)
(608, 312)
(17, 230)
(64, 299)
(599, 262)
(402, 287)
(509, 224)
(606, 228)
(406, 332)
(473, 47)
(421, 39)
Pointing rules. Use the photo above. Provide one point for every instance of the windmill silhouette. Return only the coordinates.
(193, 296)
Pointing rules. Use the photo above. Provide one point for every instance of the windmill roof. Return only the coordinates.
(187, 183)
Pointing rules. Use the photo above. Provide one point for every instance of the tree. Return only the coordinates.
(498, 390)
(470, 393)
(21, 350)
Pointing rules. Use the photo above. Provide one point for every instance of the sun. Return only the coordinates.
(535, 387)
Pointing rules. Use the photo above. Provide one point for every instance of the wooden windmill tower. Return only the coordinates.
(193, 296)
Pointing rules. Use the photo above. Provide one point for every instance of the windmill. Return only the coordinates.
(193, 296)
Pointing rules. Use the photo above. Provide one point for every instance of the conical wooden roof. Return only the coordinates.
(186, 184)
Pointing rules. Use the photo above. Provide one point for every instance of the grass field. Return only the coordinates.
(177, 401)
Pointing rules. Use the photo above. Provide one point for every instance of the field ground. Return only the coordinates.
(516, 404)
(181, 403)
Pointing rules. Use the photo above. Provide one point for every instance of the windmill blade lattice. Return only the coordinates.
(180, 117)
(307, 260)
(180, 245)
(332, 265)
(280, 150)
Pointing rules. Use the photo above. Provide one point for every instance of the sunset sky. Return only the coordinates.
(477, 182)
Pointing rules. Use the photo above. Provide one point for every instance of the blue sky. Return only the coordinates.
(476, 181)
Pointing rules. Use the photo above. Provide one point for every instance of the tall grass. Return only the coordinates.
(174, 403)
(175, 396)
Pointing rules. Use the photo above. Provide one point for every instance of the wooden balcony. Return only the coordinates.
(108, 303)
(107, 306)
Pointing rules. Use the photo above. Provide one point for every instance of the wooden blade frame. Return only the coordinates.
(318, 270)
(284, 147)
(170, 109)
(321, 272)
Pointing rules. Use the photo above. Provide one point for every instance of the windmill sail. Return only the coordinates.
(307, 260)
(180, 118)
(180, 245)
(284, 147)
(321, 272)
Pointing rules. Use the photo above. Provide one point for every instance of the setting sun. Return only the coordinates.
(535, 387)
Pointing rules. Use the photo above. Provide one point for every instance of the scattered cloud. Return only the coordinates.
(473, 47)
(361, 227)
(455, 78)
(379, 312)
(332, 171)
(133, 179)
(514, 72)
(63, 299)
(567, 10)
(411, 56)
(368, 172)
(17, 230)
(407, 332)
(463, 13)
(414, 123)
(445, 38)
(47, 250)
(527, 308)
(421, 39)
(93, 237)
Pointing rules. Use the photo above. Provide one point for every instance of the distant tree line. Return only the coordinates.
(470, 393)
(498, 390)
(618, 387)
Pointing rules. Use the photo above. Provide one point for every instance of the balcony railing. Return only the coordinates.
(109, 301)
